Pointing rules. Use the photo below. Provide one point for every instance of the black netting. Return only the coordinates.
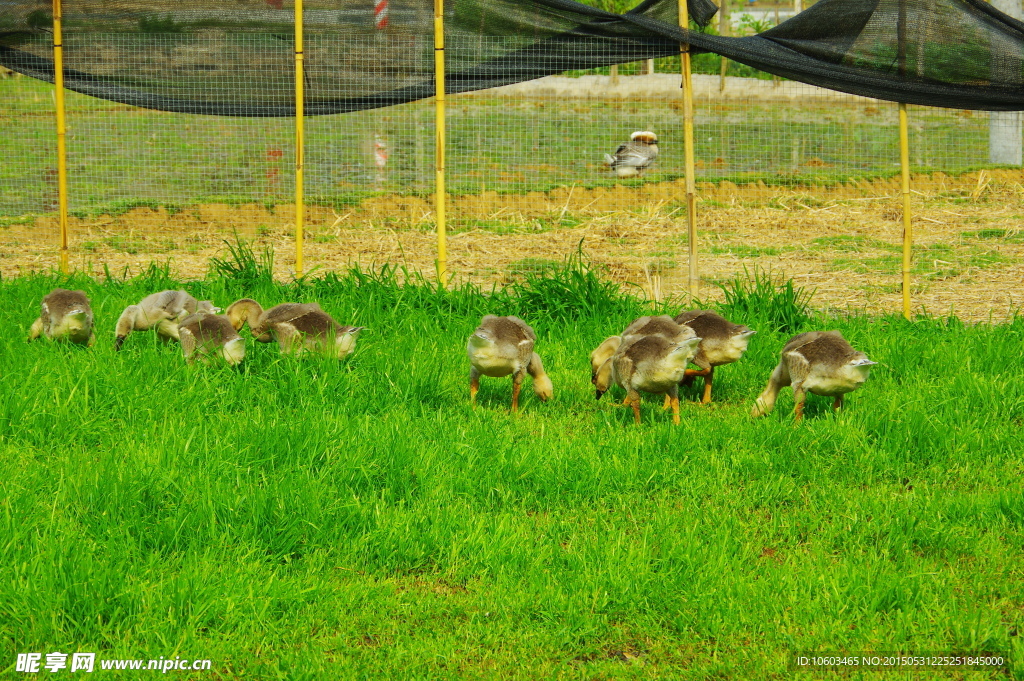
(187, 56)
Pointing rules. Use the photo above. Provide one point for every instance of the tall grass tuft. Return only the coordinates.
(573, 290)
(243, 265)
(397, 287)
(757, 295)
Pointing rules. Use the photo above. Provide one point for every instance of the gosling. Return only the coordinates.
(661, 325)
(722, 342)
(65, 315)
(162, 310)
(261, 321)
(821, 362)
(314, 332)
(653, 363)
(205, 336)
(501, 346)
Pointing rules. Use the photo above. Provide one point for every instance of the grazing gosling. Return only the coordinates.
(654, 363)
(821, 362)
(205, 336)
(662, 325)
(501, 346)
(722, 342)
(316, 332)
(162, 310)
(65, 315)
(260, 321)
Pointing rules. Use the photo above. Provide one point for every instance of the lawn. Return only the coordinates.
(315, 519)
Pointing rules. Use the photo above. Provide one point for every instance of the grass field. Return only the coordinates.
(310, 519)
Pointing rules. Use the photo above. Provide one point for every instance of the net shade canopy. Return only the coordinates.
(237, 58)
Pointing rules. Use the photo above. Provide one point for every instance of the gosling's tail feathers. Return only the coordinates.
(234, 351)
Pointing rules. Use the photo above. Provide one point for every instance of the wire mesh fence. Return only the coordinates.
(790, 177)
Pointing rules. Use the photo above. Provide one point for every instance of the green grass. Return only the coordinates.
(743, 251)
(936, 261)
(1004, 235)
(318, 520)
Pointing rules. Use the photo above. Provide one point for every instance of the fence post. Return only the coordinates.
(62, 154)
(439, 114)
(300, 110)
(905, 187)
(901, 58)
(691, 202)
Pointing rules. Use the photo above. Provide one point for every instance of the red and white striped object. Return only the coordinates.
(380, 14)
(380, 152)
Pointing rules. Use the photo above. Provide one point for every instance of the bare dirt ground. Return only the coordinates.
(842, 241)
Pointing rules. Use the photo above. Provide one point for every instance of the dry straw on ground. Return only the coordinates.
(842, 241)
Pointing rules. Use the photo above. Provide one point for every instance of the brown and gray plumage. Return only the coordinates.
(634, 156)
(652, 362)
(315, 331)
(722, 342)
(501, 346)
(260, 321)
(65, 315)
(661, 325)
(821, 362)
(205, 336)
(161, 310)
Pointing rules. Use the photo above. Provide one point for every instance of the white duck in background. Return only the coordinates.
(634, 156)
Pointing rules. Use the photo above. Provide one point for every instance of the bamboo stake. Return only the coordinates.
(62, 154)
(724, 29)
(901, 58)
(300, 110)
(907, 230)
(439, 197)
(691, 201)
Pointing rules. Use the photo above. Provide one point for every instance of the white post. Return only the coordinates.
(1005, 142)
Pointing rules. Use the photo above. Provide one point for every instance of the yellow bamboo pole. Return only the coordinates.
(905, 183)
(439, 115)
(691, 201)
(724, 29)
(300, 205)
(62, 154)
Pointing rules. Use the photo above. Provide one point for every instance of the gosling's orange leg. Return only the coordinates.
(474, 388)
(516, 386)
(838, 404)
(800, 396)
(674, 400)
(668, 402)
(636, 411)
(707, 385)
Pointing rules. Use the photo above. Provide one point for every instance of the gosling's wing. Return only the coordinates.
(799, 368)
(634, 155)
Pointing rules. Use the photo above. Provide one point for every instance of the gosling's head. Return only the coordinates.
(858, 368)
(601, 354)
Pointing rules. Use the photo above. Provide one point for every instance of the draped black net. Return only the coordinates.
(237, 58)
